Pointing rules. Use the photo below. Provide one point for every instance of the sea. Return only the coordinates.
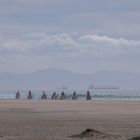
(97, 94)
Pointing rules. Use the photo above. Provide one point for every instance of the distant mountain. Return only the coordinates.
(56, 78)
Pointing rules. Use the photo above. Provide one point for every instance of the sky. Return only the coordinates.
(83, 36)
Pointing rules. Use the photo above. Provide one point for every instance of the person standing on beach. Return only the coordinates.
(88, 96)
(17, 95)
(74, 96)
(62, 95)
(30, 95)
(44, 96)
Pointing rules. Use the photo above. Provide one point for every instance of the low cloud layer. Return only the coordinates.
(63, 49)
(42, 44)
(92, 38)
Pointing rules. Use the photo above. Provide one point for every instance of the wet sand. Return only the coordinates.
(59, 120)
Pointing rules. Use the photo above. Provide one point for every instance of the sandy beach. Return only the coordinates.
(63, 120)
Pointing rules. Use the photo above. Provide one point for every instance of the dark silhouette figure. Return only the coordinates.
(54, 96)
(74, 96)
(17, 95)
(63, 96)
(88, 97)
(30, 95)
(44, 96)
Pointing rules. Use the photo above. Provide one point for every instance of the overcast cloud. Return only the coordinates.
(81, 35)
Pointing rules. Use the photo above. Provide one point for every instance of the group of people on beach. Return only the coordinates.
(55, 96)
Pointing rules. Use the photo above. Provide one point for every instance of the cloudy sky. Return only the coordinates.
(79, 35)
